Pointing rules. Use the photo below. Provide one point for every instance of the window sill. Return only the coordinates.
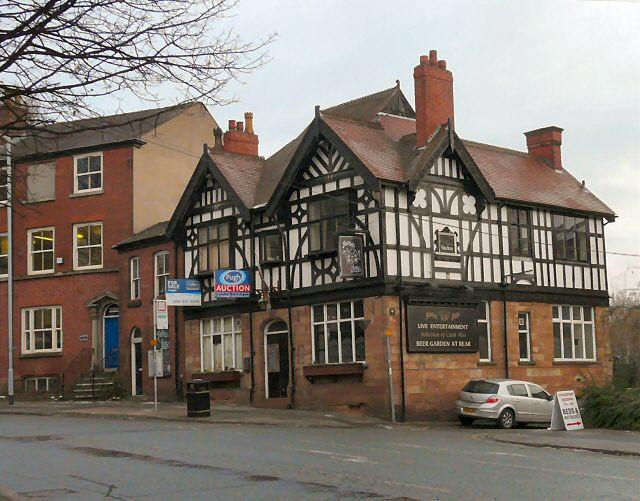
(41, 355)
(222, 376)
(526, 362)
(29, 202)
(86, 194)
(134, 303)
(312, 372)
(486, 363)
(576, 362)
(322, 253)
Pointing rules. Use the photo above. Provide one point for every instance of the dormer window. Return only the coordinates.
(519, 232)
(214, 247)
(328, 216)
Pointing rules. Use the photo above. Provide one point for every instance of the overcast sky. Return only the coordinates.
(517, 66)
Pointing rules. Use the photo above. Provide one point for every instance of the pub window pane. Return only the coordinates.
(332, 345)
(327, 216)
(484, 331)
(332, 311)
(358, 309)
(483, 343)
(557, 341)
(318, 337)
(346, 341)
(574, 334)
(359, 337)
(318, 313)
(588, 341)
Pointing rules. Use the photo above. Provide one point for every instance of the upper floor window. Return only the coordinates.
(573, 333)
(88, 173)
(221, 344)
(328, 216)
(338, 332)
(4, 182)
(215, 247)
(519, 232)
(87, 246)
(162, 273)
(4, 255)
(570, 240)
(134, 278)
(41, 182)
(271, 248)
(41, 250)
(42, 329)
(484, 331)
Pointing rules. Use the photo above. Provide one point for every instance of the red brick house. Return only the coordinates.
(379, 222)
(79, 190)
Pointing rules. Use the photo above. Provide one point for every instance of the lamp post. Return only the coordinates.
(8, 202)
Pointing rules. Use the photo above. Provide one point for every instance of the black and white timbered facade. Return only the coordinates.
(447, 224)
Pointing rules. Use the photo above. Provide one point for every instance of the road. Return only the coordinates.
(58, 457)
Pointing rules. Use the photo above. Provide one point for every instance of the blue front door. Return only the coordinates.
(111, 342)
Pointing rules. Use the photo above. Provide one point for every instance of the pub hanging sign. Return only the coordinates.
(351, 256)
(441, 329)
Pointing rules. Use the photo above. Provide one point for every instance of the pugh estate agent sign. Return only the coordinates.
(441, 329)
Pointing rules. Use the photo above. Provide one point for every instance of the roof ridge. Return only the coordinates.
(364, 123)
(160, 109)
(497, 148)
(362, 97)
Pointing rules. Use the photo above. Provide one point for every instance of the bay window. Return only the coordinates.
(328, 216)
(338, 332)
(573, 333)
(221, 344)
(215, 246)
(42, 329)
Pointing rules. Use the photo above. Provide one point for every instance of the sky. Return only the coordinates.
(517, 66)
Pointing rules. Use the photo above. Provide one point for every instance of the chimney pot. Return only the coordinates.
(232, 125)
(248, 118)
(433, 57)
(217, 145)
(442, 64)
(240, 126)
(424, 59)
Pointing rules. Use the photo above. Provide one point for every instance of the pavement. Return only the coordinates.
(616, 442)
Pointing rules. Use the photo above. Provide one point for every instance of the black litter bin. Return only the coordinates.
(198, 403)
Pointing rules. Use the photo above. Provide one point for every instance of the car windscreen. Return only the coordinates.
(481, 387)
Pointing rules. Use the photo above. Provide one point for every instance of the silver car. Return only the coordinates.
(506, 401)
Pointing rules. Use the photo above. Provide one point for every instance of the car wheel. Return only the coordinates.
(466, 421)
(507, 419)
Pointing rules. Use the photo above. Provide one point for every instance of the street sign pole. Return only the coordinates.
(155, 355)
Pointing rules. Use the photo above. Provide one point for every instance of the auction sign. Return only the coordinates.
(232, 284)
(441, 329)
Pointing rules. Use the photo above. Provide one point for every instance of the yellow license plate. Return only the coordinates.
(468, 410)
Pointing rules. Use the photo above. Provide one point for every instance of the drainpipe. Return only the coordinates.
(503, 285)
(403, 411)
(251, 347)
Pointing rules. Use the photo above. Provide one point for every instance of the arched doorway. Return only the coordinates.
(111, 332)
(136, 362)
(276, 359)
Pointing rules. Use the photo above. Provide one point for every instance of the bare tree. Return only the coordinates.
(624, 329)
(58, 56)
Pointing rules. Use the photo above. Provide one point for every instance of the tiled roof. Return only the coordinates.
(518, 176)
(157, 231)
(367, 108)
(243, 173)
(97, 131)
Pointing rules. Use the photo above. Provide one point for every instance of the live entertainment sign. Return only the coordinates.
(441, 329)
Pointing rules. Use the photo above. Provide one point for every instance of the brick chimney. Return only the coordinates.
(240, 140)
(434, 96)
(546, 144)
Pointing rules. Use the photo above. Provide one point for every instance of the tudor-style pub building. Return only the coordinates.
(474, 260)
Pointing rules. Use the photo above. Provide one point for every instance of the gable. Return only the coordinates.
(326, 161)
